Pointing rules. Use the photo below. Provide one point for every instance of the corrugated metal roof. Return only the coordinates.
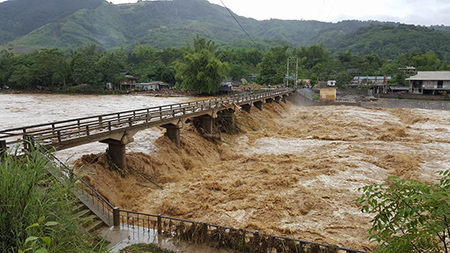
(371, 77)
(430, 76)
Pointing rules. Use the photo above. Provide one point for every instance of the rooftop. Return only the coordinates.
(431, 76)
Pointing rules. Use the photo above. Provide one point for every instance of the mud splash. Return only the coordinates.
(292, 171)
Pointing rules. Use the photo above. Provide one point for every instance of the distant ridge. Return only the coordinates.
(170, 23)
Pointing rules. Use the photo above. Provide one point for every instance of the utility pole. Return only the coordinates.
(287, 73)
(296, 73)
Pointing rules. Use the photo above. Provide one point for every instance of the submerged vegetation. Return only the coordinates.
(36, 210)
(142, 247)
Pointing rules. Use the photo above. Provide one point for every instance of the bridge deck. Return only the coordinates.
(78, 131)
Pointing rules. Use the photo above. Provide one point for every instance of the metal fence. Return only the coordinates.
(187, 230)
(84, 192)
(219, 236)
(66, 133)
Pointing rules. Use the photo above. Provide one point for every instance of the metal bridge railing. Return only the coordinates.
(84, 192)
(50, 134)
(218, 236)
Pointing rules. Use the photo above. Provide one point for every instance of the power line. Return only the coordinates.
(318, 15)
(231, 13)
(332, 8)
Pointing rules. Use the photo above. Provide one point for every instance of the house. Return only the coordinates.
(429, 82)
(377, 84)
(370, 80)
(128, 81)
(154, 86)
(327, 93)
(408, 70)
(226, 87)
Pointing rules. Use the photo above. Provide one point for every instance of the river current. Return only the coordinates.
(18, 110)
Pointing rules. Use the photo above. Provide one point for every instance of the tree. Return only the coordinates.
(84, 69)
(268, 70)
(49, 68)
(200, 71)
(410, 216)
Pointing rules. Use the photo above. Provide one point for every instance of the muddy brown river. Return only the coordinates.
(290, 171)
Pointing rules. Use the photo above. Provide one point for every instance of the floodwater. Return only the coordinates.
(291, 171)
(18, 110)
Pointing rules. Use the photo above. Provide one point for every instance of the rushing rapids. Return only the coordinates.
(291, 171)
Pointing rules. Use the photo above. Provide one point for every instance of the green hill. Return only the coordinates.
(19, 17)
(101, 25)
(161, 24)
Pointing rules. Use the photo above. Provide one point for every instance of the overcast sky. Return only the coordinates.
(421, 12)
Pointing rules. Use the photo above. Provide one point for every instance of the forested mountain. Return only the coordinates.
(19, 17)
(162, 24)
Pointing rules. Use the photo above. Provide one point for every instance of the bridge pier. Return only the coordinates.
(277, 99)
(258, 104)
(207, 123)
(116, 149)
(284, 99)
(246, 107)
(117, 153)
(226, 119)
(269, 100)
(173, 132)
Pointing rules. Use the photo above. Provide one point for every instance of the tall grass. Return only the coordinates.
(28, 194)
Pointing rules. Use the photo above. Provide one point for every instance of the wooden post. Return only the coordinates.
(116, 216)
(2, 149)
(159, 225)
(28, 142)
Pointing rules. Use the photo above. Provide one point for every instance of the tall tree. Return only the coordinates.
(200, 71)
(269, 70)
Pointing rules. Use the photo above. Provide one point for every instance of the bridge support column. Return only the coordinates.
(258, 104)
(277, 99)
(246, 107)
(116, 149)
(284, 99)
(173, 132)
(207, 123)
(117, 153)
(269, 100)
(226, 119)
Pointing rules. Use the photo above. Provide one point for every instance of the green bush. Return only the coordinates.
(409, 215)
(36, 210)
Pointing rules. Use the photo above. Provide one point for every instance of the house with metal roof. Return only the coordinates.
(429, 82)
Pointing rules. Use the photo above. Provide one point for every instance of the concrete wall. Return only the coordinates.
(433, 84)
(415, 96)
(327, 94)
(405, 103)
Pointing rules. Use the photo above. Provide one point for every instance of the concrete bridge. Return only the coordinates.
(117, 129)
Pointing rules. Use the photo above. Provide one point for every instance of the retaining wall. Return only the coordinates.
(405, 103)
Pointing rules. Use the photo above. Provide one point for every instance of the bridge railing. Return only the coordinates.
(88, 195)
(219, 236)
(50, 134)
